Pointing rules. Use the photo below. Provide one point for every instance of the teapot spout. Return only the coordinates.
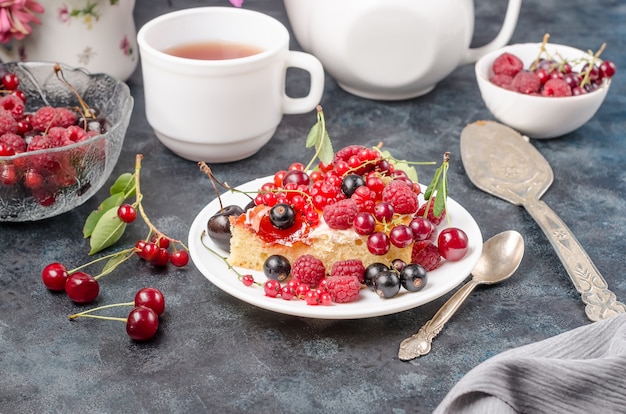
(503, 37)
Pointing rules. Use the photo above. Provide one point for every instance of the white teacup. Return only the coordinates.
(220, 110)
(391, 49)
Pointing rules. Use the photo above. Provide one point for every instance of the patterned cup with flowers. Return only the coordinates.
(98, 35)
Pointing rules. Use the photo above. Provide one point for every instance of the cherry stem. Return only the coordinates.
(139, 198)
(87, 112)
(108, 318)
(108, 256)
(86, 313)
(213, 179)
(225, 260)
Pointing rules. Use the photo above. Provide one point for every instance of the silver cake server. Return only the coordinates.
(501, 162)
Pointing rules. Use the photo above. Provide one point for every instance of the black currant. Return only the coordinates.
(413, 277)
(282, 216)
(277, 267)
(371, 272)
(387, 284)
(350, 183)
(218, 226)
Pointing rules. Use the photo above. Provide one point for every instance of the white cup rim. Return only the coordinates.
(147, 48)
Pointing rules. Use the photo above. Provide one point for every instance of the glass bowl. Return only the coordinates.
(35, 185)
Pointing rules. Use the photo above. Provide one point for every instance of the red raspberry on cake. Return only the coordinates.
(401, 196)
(350, 267)
(343, 289)
(365, 198)
(308, 269)
(426, 253)
(340, 215)
(507, 64)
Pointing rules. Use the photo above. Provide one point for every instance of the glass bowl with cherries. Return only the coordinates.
(61, 134)
(544, 90)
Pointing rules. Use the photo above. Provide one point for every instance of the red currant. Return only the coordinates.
(401, 236)
(127, 213)
(364, 223)
(247, 280)
(452, 243)
(272, 288)
(422, 228)
(312, 298)
(151, 298)
(179, 258)
(378, 243)
(287, 292)
(81, 287)
(54, 276)
(142, 323)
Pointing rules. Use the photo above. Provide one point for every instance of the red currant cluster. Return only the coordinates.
(142, 322)
(551, 76)
(21, 132)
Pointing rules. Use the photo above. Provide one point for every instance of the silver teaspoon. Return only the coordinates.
(500, 258)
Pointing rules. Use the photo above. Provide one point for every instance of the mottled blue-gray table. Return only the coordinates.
(215, 353)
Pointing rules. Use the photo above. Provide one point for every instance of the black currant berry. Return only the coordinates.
(413, 277)
(350, 183)
(387, 284)
(277, 267)
(371, 272)
(282, 216)
(218, 226)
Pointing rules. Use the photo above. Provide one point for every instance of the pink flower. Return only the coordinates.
(16, 17)
(236, 3)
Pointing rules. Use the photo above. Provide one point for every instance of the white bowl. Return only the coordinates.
(537, 116)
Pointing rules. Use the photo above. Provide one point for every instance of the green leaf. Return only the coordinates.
(107, 231)
(313, 137)
(433, 185)
(115, 200)
(125, 184)
(325, 149)
(115, 261)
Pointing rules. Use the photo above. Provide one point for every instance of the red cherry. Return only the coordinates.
(142, 323)
(452, 244)
(55, 276)
(151, 298)
(127, 213)
(149, 251)
(10, 81)
(161, 257)
(179, 258)
(81, 287)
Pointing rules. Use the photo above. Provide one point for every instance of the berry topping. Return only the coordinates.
(351, 267)
(277, 267)
(308, 269)
(507, 64)
(343, 289)
(427, 254)
(341, 214)
(401, 196)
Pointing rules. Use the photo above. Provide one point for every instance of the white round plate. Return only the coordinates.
(440, 281)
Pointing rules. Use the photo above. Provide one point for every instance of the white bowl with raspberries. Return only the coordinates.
(61, 134)
(539, 93)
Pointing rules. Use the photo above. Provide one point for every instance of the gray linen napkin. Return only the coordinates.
(580, 371)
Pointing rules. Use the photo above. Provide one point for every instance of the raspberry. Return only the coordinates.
(556, 87)
(507, 64)
(14, 141)
(7, 123)
(365, 199)
(39, 142)
(308, 269)
(431, 216)
(351, 267)
(426, 254)
(503, 81)
(74, 133)
(47, 117)
(345, 153)
(12, 104)
(341, 214)
(526, 82)
(401, 196)
(343, 289)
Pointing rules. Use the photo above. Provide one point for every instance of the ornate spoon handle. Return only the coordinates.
(600, 302)
(419, 344)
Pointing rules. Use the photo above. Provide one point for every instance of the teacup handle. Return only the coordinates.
(310, 64)
(505, 34)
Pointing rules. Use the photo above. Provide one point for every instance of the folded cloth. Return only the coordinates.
(580, 371)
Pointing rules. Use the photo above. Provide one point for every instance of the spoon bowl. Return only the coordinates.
(500, 258)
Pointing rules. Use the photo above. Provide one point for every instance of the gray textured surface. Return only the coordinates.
(217, 354)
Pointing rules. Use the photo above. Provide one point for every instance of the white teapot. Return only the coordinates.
(391, 49)
(98, 35)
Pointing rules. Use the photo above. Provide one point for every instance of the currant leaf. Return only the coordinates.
(116, 260)
(114, 200)
(124, 184)
(318, 137)
(400, 165)
(107, 231)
